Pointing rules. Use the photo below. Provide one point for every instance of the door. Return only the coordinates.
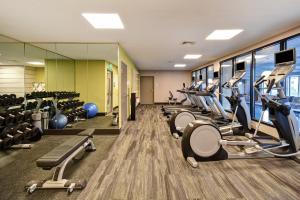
(147, 89)
(124, 94)
(109, 90)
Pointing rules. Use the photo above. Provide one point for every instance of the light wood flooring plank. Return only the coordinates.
(146, 162)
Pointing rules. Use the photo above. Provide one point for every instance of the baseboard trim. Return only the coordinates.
(101, 114)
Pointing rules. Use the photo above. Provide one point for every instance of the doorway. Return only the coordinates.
(109, 94)
(147, 89)
(124, 94)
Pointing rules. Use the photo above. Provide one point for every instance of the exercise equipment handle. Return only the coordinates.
(259, 81)
(224, 85)
(270, 86)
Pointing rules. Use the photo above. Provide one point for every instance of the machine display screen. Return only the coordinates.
(241, 66)
(216, 74)
(287, 56)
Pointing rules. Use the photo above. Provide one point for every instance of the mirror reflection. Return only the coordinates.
(89, 69)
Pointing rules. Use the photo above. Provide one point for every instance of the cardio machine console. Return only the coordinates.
(284, 64)
(214, 84)
(239, 74)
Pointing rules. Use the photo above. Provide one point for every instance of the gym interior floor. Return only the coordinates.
(145, 162)
(17, 167)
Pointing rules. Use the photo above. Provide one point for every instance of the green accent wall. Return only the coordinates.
(91, 82)
(88, 77)
(60, 75)
(39, 74)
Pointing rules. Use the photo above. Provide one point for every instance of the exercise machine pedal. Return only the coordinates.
(192, 162)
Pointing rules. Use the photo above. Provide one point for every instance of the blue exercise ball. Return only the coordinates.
(59, 121)
(91, 109)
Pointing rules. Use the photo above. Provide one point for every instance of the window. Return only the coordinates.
(210, 74)
(293, 80)
(193, 75)
(203, 73)
(244, 85)
(197, 75)
(226, 74)
(264, 64)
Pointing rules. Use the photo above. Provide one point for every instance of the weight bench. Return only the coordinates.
(59, 158)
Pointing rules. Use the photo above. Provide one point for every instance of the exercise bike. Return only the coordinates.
(203, 141)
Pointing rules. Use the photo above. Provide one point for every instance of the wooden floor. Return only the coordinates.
(147, 163)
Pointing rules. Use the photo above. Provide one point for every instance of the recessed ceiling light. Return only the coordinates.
(192, 56)
(223, 34)
(36, 63)
(180, 65)
(104, 20)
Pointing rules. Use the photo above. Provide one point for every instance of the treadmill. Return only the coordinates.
(198, 103)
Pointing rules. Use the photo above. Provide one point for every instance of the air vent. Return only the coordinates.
(188, 43)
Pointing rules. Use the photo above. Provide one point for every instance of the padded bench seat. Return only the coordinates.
(59, 158)
(61, 152)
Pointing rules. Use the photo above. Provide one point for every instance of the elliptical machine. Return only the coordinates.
(203, 141)
(227, 126)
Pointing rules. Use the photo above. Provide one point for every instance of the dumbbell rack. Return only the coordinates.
(71, 109)
(55, 99)
(15, 123)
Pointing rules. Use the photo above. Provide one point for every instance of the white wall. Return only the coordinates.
(165, 81)
(12, 80)
(29, 78)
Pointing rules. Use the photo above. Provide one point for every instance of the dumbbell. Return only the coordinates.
(30, 132)
(6, 142)
(10, 100)
(31, 105)
(71, 116)
(9, 96)
(82, 113)
(10, 136)
(19, 100)
(21, 117)
(68, 115)
(14, 134)
(9, 118)
(27, 116)
(2, 120)
(12, 117)
(45, 103)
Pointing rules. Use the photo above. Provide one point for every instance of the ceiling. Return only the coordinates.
(108, 52)
(154, 30)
